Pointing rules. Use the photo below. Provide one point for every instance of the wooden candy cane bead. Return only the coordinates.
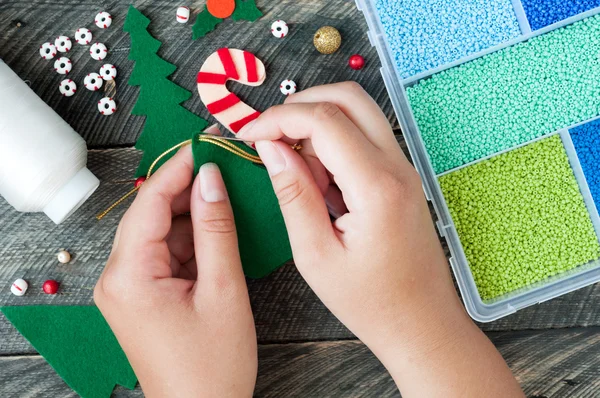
(63, 44)
(19, 287)
(221, 66)
(108, 72)
(288, 87)
(47, 50)
(103, 20)
(98, 51)
(63, 66)
(279, 29)
(83, 36)
(67, 87)
(107, 106)
(93, 82)
(183, 14)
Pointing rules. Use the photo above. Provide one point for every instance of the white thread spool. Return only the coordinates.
(42, 159)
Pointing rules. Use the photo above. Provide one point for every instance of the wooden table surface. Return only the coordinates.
(553, 348)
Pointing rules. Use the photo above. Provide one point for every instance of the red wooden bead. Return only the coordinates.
(50, 286)
(356, 62)
(139, 181)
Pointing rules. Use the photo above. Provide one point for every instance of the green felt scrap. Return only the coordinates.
(205, 23)
(78, 343)
(263, 239)
(246, 10)
(167, 122)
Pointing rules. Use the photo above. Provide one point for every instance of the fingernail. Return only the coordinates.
(214, 130)
(246, 129)
(212, 187)
(271, 157)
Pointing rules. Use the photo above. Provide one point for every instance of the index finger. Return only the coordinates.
(337, 142)
(360, 108)
(149, 217)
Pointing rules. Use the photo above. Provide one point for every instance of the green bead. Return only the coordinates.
(520, 217)
(510, 97)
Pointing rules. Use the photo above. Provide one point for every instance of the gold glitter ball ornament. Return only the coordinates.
(327, 40)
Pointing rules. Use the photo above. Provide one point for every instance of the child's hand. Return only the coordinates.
(379, 267)
(173, 290)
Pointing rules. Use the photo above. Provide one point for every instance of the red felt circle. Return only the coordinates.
(221, 8)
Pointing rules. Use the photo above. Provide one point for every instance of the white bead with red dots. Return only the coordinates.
(47, 50)
(19, 287)
(63, 44)
(67, 87)
(107, 106)
(93, 82)
(279, 29)
(83, 36)
(183, 14)
(287, 87)
(108, 72)
(103, 20)
(98, 51)
(63, 66)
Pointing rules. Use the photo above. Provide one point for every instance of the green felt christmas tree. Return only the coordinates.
(167, 122)
(262, 235)
(78, 343)
(245, 10)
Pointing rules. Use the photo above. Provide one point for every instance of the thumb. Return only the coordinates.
(302, 204)
(215, 237)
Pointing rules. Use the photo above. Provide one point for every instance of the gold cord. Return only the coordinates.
(231, 147)
(165, 153)
(215, 140)
(118, 202)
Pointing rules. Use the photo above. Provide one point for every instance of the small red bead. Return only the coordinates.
(356, 62)
(50, 286)
(139, 181)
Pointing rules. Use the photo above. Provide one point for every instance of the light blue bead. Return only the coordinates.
(412, 25)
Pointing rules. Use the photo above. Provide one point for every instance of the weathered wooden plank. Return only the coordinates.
(551, 363)
(291, 58)
(284, 306)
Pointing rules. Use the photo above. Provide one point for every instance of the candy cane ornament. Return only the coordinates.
(224, 65)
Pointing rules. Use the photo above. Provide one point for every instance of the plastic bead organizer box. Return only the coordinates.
(499, 103)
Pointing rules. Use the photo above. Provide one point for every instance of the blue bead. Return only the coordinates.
(454, 28)
(541, 13)
(586, 139)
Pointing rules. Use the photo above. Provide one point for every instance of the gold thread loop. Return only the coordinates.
(231, 147)
(218, 141)
(165, 153)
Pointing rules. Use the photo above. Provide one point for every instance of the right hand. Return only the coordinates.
(380, 263)
(379, 267)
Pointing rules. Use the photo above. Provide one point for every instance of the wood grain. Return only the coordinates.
(285, 308)
(551, 363)
(291, 58)
(548, 360)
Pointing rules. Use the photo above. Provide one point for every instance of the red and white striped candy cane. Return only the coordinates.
(221, 66)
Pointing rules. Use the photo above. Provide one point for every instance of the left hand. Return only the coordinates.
(173, 290)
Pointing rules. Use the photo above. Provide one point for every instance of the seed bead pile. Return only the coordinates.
(424, 34)
(511, 96)
(541, 13)
(586, 140)
(520, 217)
